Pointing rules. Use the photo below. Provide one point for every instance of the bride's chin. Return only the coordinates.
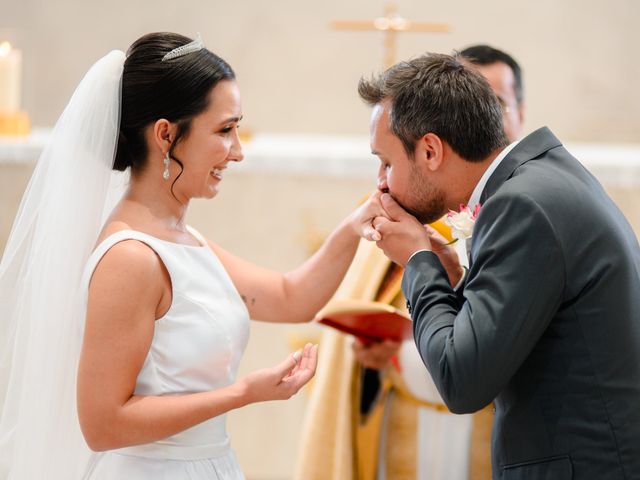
(212, 193)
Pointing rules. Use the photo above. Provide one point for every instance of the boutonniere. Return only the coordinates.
(462, 222)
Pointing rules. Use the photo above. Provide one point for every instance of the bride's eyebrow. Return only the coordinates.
(232, 120)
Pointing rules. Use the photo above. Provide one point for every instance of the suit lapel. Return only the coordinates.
(467, 247)
(530, 147)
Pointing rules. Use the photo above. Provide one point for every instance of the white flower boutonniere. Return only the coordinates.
(462, 222)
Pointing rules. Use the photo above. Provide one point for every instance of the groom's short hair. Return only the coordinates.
(436, 93)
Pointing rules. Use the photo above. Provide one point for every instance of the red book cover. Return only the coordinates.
(369, 321)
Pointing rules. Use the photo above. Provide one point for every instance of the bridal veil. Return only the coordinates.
(42, 307)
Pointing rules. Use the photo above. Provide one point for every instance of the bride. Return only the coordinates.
(152, 316)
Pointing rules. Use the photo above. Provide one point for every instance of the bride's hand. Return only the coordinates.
(361, 219)
(282, 381)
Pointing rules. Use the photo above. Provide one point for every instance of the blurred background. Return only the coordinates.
(580, 57)
(307, 161)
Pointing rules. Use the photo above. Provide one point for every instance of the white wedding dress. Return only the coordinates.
(196, 347)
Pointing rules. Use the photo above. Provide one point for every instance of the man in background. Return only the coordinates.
(504, 76)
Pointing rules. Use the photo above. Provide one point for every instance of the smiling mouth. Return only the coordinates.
(216, 173)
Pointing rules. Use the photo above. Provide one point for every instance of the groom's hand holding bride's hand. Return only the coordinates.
(282, 381)
(401, 234)
(362, 218)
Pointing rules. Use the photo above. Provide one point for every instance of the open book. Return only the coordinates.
(369, 321)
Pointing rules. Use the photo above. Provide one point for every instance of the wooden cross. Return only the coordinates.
(391, 24)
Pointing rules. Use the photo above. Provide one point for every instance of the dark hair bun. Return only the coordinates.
(123, 158)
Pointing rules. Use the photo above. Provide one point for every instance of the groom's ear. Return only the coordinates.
(429, 151)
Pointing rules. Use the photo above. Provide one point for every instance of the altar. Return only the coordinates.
(290, 190)
(273, 209)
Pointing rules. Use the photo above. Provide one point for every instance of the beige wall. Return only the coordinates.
(13, 181)
(296, 75)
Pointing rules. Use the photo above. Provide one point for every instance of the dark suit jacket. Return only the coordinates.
(549, 326)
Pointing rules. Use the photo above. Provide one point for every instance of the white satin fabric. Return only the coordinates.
(196, 347)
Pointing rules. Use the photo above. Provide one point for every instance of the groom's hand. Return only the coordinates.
(401, 234)
(362, 218)
(446, 254)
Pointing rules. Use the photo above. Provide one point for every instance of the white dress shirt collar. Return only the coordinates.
(477, 192)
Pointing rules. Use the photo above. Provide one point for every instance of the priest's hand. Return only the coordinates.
(376, 356)
(282, 381)
(401, 234)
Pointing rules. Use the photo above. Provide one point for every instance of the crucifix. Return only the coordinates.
(391, 24)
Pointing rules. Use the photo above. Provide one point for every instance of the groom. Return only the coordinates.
(547, 321)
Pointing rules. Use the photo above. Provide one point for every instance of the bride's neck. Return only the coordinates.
(155, 200)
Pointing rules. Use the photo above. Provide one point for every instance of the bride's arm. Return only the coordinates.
(297, 296)
(125, 294)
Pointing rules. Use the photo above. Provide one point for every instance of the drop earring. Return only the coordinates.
(165, 173)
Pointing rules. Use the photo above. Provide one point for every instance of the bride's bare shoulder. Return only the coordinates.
(113, 226)
(128, 262)
(130, 257)
(126, 255)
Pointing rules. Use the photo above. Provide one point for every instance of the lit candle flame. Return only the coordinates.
(5, 49)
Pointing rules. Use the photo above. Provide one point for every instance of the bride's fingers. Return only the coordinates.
(302, 376)
(312, 359)
(298, 357)
(371, 233)
(306, 365)
(308, 361)
(288, 366)
(305, 356)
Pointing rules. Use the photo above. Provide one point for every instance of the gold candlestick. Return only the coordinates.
(13, 121)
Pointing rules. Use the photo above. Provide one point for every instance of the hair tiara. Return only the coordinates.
(194, 46)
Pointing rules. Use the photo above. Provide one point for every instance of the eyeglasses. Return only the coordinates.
(506, 108)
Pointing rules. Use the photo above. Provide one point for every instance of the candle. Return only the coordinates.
(10, 78)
